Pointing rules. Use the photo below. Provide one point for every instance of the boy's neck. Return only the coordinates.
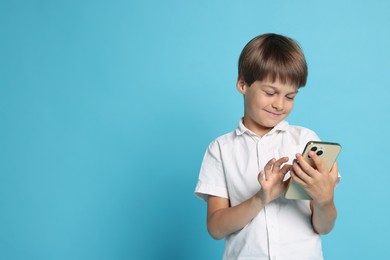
(256, 128)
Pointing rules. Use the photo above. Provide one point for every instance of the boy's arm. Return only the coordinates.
(320, 185)
(323, 217)
(222, 219)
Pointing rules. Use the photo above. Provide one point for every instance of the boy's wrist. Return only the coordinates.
(324, 203)
(261, 197)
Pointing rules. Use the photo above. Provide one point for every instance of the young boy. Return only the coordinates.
(245, 173)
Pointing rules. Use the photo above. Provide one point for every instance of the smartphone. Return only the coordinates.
(327, 151)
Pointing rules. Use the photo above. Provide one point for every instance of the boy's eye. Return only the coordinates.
(290, 97)
(269, 93)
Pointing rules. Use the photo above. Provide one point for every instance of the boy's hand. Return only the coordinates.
(318, 183)
(271, 179)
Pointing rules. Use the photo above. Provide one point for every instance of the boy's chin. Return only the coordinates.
(272, 123)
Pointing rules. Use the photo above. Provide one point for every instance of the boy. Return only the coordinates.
(245, 173)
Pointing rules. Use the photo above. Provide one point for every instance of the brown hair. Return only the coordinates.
(272, 56)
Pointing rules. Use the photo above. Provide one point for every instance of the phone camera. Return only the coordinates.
(315, 149)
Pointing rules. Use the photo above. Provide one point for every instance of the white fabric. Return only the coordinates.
(283, 229)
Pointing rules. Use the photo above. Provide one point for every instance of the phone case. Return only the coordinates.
(327, 151)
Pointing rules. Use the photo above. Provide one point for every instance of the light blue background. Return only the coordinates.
(106, 109)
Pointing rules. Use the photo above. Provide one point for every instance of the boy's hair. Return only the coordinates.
(272, 57)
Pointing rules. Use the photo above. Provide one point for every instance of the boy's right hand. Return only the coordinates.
(271, 179)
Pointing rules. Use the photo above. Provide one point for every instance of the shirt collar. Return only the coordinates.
(241, 129)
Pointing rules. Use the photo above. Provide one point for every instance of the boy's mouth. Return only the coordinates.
(274, 114)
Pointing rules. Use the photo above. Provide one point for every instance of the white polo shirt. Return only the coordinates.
(282, 229)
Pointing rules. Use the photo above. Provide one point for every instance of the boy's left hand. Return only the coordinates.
(318, 183)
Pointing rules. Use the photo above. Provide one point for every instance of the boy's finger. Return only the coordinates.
(285, 169)
(279, 162)
(300, 172)
(334, 172)
(317, 161)
(305, 166)
(296, 178)
(262, 177)
(286, 183)
(269, 164)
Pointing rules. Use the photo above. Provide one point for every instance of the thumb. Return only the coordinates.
(286, 183)
(334, 172)
(261, 177)
(285, 169)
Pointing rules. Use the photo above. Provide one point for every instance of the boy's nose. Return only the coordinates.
(278, 104)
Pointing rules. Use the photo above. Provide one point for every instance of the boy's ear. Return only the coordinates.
(241, 86)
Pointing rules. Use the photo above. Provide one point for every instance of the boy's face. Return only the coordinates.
(266, 104)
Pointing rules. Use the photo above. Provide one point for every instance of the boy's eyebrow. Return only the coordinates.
(276, 89)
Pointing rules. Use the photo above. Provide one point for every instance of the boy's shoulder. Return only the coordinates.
(226, 138)
(296, 129)
(299, 134)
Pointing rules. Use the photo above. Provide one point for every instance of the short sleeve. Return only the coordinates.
(212, 177)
